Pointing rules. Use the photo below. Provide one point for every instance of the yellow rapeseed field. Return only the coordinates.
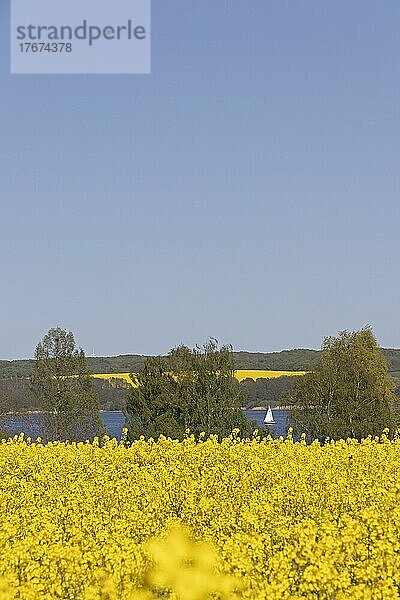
(256, 519)
(108, 376)
(240, 375)
(256, 374)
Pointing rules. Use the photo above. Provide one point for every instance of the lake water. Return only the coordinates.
(32, 425)
(281, 418)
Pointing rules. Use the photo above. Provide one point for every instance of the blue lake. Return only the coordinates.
(31, 424)
(281, 418)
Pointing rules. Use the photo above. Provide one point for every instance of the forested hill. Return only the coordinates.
(128, 363)
(287, 360)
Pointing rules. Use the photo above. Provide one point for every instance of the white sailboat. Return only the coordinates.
(269, 417)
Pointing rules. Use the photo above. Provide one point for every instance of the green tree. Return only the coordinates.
(62, 384)
(349, 394)
(191, 389)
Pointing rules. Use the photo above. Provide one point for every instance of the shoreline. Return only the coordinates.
(40, 412)
(259, 408)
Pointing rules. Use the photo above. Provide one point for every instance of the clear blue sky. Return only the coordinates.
(247, 189)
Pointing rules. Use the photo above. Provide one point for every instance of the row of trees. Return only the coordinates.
(190, 389)
(348, 394)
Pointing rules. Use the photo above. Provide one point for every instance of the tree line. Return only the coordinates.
(349, 392)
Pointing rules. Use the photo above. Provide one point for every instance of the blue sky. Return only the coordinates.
(248, 189)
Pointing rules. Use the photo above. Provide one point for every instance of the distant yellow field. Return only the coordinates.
(124, 376)
(254, 374)
(240, 375)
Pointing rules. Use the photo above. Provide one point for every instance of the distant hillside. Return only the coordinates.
(299, 360)
(287, 360)
(128, 363)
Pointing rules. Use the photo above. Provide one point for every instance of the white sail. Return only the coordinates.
(269, 417)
